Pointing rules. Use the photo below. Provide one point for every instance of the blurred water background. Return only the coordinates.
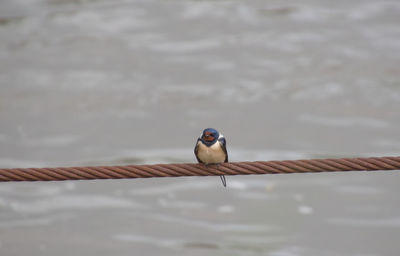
(87, 82)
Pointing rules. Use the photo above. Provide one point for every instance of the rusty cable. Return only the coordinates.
(191, 169)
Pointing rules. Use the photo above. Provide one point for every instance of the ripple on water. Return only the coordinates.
(212, 225)
(65, 202)
(35, 221)
(305, 210)
(226, 209)
(359, 190)
(186, 46)
(341, 121)
(160, 241)
(181, 204)
(392, 222)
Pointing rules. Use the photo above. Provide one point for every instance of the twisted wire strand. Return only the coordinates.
(191, 169)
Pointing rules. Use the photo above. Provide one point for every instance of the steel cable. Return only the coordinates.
(191, 169)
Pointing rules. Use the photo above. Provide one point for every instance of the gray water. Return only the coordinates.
(133, 82)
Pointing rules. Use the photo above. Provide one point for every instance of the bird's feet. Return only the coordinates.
(223, 179)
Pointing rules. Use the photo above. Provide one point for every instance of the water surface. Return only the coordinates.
(133, 82)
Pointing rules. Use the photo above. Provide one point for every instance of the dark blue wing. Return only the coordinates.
(222, 141)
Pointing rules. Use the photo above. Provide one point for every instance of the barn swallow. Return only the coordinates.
(211, 149)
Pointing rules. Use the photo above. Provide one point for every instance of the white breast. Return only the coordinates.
(211, 155)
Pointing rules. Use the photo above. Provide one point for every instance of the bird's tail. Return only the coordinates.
(223, 180)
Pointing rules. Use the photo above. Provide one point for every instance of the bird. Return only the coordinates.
(211, 149)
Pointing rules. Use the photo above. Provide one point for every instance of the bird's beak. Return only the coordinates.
(208, 137)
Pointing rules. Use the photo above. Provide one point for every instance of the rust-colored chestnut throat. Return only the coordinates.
(208, 136)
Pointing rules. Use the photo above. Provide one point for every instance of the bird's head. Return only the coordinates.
(209, 136)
